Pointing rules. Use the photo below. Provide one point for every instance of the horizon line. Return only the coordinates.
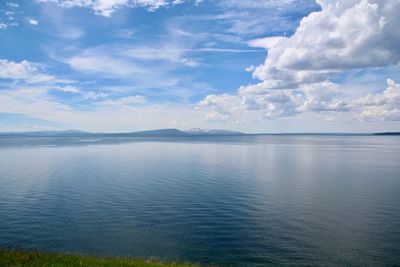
(204, 131)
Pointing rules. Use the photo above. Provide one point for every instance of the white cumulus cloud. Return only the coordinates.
(382, 106)
(23, 70)
(295, 77)
(344, 35)
(33, 22)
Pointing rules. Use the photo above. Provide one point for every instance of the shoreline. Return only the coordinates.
(10, 257)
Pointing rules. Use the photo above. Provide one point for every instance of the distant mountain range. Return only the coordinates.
(150, 133)
(165, 133)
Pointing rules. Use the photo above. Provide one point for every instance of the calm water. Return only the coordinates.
(250, 200)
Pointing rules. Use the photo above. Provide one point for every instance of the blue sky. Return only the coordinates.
(253, 66)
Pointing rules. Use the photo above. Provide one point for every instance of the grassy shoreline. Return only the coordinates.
(25, 258)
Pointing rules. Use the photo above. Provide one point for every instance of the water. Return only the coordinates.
(249, 200)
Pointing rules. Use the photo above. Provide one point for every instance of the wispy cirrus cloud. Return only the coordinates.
(153, 65)
(254, 17)
(126, 100)
(107, 8)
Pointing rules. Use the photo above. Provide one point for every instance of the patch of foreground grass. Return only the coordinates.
(22, 258)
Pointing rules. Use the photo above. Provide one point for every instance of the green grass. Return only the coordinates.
(23, 258)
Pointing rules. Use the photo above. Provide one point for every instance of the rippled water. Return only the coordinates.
(246, 200)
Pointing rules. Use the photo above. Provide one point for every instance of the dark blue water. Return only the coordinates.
(246, 200)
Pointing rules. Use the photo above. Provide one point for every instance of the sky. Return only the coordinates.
(252, 66)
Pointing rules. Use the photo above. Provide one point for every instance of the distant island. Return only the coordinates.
(388, 133)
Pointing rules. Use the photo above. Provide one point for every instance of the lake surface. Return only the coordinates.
(244, 200)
